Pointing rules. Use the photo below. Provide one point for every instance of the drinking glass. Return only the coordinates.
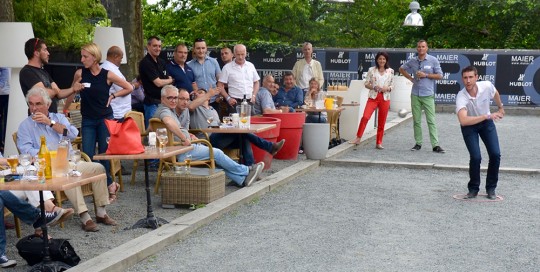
(161, 134)
(209, 120)
(74, 157)
(25, 160)
(187, 161)
(13, 161)
(227, 120)
(39, 163)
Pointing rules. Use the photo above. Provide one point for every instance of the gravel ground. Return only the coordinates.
(381, 218)
(378, 219)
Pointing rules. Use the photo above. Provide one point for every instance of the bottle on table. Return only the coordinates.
(62, 154)
(46, 155)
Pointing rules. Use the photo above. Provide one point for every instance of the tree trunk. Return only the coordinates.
(6, 11)
(128, 16)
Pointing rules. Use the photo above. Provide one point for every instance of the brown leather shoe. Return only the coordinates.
(106, 220)
(90, 226)
(276, 147)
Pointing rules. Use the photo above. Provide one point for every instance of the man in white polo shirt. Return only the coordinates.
(241, 77)
(121, 104)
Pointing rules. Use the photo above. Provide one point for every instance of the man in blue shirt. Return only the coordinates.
(183, 75)
(206, 70)
(426, 70)
(289, 96)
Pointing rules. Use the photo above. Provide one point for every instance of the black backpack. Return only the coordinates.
(31, 249)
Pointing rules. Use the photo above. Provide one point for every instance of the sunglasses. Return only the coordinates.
(172, 98)
(35, 44)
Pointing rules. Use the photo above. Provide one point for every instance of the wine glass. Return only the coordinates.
(13, 161)
(74, 157)
(161, 134)
(187, 161)
(25, 160)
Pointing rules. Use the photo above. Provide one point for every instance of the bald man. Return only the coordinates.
(120, 104)
(241, 77)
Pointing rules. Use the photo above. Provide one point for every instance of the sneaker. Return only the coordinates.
(6, 263)
(52, 218)
(276, 147)
(438, 149)
(254, 173)
(416, 147)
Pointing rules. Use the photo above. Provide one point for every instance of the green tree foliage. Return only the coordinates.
(362, 24)
(65, 23)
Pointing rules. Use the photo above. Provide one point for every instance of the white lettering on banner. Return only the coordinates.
(340, 75)
(485, 56)
(447, 97)
(487, 77)
(484, 63)
(447, 58)
(300, 55)
(520, 82)
(170, 55)
(369, 56)
(522, 60)
(340, 61)
(446, 82)
(519, 98)
(272, 59)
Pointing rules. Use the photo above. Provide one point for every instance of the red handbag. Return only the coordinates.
(125, 137)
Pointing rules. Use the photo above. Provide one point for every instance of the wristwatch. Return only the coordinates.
(52, 123)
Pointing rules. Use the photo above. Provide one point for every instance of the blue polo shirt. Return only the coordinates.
(293, 98)
(183, 78)
(205, 73)
(430, 65)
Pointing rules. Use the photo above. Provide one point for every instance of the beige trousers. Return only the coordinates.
(101, 193)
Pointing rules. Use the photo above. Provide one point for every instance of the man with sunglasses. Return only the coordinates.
(33, 75)
(178, 124)
(200, 115)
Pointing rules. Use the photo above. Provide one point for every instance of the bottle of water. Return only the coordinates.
(62, 165)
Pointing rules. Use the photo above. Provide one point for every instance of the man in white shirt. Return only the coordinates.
(241, 77)
(476, 120)
(121, 103)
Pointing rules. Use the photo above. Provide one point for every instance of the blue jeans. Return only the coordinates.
(225, 140)
(19, 208)
(236, 172)
(488, 133)
(149, 110)
(95, 131)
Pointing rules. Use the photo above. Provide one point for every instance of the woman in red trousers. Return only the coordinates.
(379, 81)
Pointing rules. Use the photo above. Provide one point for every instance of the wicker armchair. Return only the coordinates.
(156, 123)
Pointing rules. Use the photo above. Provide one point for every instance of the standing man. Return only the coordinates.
(475, 118)
(226, 55)
(241, 77)
(289, 97)
(307, 68)
(183, 75)
(426, 69)
(4, 102)
(121, 104)
(33, 74)
(206, 70)
(153, 77)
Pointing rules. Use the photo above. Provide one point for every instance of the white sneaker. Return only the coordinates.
(254, 173)
(6, 263)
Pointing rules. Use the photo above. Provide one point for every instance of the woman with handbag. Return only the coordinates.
(95, 105)
(379, 81)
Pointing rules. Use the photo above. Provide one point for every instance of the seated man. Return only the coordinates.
(41, 122)
(240, 174)
(200, 112)
(263, 101)
(289, 95)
